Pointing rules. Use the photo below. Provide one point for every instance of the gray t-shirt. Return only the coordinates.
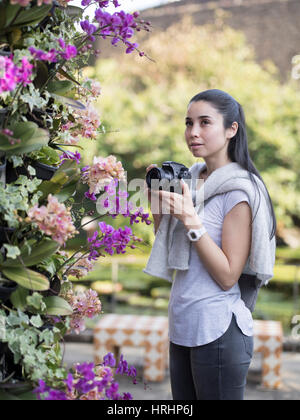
(200, 311)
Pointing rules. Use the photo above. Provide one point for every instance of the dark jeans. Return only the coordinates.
(215, 371)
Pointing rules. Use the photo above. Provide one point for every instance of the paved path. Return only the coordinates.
(161, 391)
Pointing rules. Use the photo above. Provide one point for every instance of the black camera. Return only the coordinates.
(168, 177)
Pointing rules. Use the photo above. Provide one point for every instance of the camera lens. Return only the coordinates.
(154, 173)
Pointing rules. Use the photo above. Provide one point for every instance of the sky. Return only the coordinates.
(131, 5)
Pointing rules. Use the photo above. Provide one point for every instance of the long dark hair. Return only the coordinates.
(238, 150)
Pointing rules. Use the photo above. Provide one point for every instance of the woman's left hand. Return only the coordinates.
(179, 206)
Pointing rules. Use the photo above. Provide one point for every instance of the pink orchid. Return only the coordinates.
(54, 220)
(102, 172)
(84, 304)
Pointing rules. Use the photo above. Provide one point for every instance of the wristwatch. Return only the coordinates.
(195, 234)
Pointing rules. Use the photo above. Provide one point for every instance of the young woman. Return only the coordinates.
(210, 327)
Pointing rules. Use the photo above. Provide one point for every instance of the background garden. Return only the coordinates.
(143, 109)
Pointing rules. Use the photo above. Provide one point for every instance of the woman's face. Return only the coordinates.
(205, 134)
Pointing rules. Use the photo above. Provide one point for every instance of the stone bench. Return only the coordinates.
(114, 331)
(268, 340)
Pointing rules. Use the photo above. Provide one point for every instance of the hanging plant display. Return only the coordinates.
(46, 108)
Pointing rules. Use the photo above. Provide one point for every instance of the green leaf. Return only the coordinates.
(26, 278)
(36, 321)
(36, 301)
(42, 74)
(28, 396)
(74, 11)
(31, 138)
(67, 191)
(5, 396)
(67, 76)
(24, 130)
(32, 97)
(68, 169)
(19, 319)
(7, 13)
(60, 87)
(12, 251)
(31, 171)
(17, 161)
(57, 306)
(47, 337)
(44, 249)
(68, 101)
(46, 155)
(67, 177)
(37, 253)
(33, 15)
(48, 187)
(18, 298)
(3, 17)
(14, 36)
(11, 12)
(59, 178)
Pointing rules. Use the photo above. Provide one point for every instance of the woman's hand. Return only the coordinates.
(180, 206)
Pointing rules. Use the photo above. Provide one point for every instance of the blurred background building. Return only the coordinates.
(271, 26)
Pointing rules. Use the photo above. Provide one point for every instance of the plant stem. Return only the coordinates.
(8, 309)
(81, 258)
(10, 112)
(6, 380)
(66, 262)
(67, 145)
(91, 221)
(112, 36)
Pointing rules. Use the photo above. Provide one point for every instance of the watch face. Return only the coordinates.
(193, 235)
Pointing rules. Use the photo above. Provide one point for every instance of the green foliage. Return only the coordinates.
(57, 306)
(26, 278)
(30, 138)
(288, 254)
(38, 349)
(47, 156)
(17, 198)
(64, 182)
(36, 302)
(14, 17)
(32, 253)
(275, 306)
(60, 87)
(12, 251)
(19, 298)
(286, 273)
